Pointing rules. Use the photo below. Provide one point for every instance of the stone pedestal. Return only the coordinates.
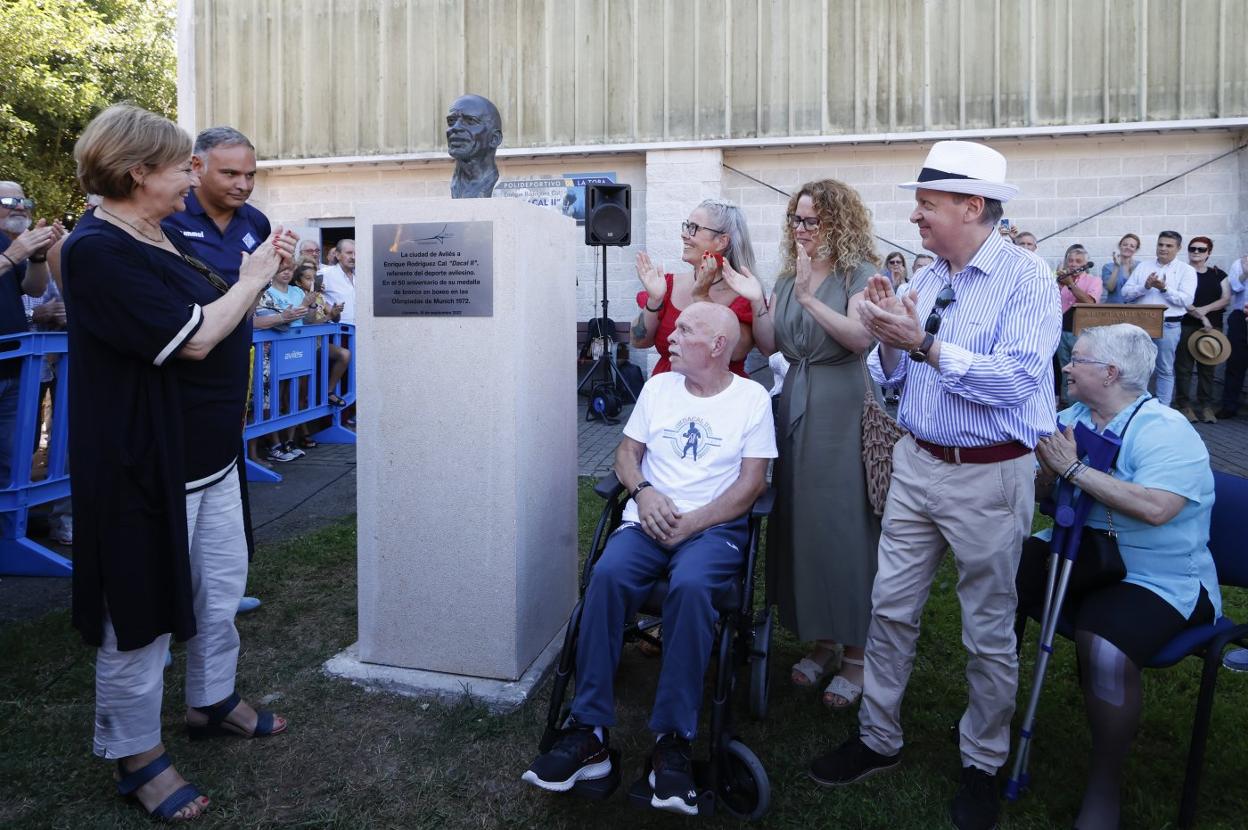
(467, 454)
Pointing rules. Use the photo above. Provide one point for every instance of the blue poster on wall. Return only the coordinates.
(564, 193)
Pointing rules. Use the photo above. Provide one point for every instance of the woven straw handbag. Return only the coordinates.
(879, 434)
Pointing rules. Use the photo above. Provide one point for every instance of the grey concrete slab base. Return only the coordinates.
(499, 696)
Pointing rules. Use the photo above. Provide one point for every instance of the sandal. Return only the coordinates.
(843, 687)
(811, 669)
(307, 443)
(217, 725)
(334, 400)
(167, 810)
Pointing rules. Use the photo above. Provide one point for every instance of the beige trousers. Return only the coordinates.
(983, 512)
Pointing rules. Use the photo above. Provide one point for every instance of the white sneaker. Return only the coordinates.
(63, 531)
(276, 453)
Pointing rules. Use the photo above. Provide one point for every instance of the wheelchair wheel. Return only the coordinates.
(744, 789)
(760, 666)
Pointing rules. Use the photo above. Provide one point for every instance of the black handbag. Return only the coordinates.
(1099, 562)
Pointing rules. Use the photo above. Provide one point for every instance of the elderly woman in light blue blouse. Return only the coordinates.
(1158, 499)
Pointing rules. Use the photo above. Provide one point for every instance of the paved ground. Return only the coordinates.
(320, 489)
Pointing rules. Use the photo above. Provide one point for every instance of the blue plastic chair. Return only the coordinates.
(1209, 642)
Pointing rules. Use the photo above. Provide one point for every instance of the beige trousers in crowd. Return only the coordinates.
(982, 511)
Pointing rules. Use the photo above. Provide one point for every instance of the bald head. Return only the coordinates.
(704, 337)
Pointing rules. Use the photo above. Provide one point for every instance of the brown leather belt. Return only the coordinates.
(975, 455)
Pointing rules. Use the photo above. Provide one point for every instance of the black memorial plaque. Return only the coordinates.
(433, 269)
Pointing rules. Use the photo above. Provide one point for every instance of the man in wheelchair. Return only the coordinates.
(686, 520)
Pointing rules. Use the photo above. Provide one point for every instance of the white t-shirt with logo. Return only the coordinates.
(694, 446)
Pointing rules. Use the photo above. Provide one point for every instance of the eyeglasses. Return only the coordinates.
(692, 228)
(895, 262)
(1194, 249)
(1078, 359)
(213, 279)
(14, 202)
(807, 222)
(943, 300)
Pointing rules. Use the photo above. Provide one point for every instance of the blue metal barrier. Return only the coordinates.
(295, 357)
(20, 556)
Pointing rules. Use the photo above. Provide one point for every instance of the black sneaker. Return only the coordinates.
(978, 801)
(850, 762)
(671, 776)
(578, 755)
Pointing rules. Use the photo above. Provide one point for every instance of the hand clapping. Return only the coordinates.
(651, 276)
(704, 276)
(891, 320)
(742, 282)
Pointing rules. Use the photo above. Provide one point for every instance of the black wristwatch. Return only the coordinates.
(643, 484)
(38, 259)
(919, 354)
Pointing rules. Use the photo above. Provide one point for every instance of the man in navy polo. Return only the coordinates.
(218, 224)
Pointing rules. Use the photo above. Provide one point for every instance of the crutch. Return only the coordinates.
(1098, 451)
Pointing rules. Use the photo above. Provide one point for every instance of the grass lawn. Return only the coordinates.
(354, 759)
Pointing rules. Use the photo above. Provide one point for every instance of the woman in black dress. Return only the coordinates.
(158, 347)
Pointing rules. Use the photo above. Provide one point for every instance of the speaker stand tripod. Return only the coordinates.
(606, 361)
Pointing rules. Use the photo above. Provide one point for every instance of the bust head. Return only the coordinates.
(474, 131)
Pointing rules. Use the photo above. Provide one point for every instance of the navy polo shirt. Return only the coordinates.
(12, 312)
(223, 251)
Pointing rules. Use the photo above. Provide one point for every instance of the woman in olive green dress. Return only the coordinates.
(822, 535)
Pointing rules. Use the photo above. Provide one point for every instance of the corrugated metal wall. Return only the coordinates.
(317, 78)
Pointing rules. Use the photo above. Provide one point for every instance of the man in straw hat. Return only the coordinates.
(973, 342)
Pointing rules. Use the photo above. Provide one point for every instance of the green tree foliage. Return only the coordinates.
(61, 62)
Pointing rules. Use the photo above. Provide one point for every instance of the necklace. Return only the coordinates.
(158, 240)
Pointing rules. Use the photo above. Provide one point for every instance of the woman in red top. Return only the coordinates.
(714, 227)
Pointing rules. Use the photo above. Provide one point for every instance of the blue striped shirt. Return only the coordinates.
(997, 339)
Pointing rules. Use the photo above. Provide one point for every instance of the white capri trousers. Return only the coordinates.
(129, 685)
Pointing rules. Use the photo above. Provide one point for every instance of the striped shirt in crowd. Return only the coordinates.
(997, 341)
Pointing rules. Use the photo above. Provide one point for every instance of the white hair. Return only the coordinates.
(1127, 347)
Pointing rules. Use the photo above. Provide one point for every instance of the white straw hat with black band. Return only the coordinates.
(964, 167)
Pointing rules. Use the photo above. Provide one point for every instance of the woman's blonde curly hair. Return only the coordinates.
(844, 227)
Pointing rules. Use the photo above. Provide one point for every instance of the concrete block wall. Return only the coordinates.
(1062, 180)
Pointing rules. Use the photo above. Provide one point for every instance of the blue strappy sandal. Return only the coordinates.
(217, 713)
(167, 810)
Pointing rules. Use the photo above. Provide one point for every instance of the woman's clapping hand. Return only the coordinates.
(743, 282)
(261, 264)
(651, 277)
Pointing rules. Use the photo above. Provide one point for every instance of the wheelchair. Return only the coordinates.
(732, 777)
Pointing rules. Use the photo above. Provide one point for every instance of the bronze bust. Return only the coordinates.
(473, 132)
